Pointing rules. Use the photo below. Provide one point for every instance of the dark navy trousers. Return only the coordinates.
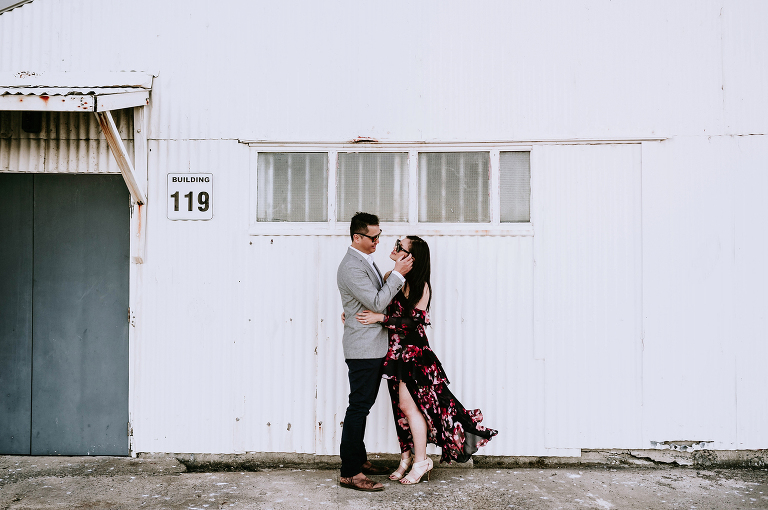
(364, 381)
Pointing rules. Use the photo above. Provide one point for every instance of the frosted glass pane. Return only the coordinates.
(372, 182)
(515, 186)
(292, 187)
(453, 187)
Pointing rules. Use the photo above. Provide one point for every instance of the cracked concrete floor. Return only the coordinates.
(125, 483)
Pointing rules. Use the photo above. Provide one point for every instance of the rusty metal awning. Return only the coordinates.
(97, 92)
(9, 5)
(73, 91)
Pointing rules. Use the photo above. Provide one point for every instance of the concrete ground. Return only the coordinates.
(163, 483)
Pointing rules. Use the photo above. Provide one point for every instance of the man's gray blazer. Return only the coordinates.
(360, 290)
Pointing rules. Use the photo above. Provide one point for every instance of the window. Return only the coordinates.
(292, 187)
(515, 186)
(413, 188)
(375, 181)
(453, 187)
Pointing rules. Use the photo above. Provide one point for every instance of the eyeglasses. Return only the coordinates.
(372, 238)
(399, 247)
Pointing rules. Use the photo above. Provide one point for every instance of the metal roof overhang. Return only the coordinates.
(9, 5)
(99, 93)
(74, 92)
(48, 99)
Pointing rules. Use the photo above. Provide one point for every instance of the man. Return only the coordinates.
(362, 287)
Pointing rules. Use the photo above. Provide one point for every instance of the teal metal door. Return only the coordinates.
(77, 321)
(15, 312)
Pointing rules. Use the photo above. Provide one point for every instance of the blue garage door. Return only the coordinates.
(64, 314)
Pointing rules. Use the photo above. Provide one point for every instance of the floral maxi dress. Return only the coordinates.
(454, 429)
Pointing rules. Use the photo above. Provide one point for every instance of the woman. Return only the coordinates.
(424, 409)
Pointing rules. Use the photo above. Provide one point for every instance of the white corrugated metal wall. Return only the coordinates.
(433, 71)
(750, 320)
(634, 313)
(69, 142)
(588, 293)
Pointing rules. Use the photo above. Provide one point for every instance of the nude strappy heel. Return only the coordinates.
(418, 470)
(405, 464)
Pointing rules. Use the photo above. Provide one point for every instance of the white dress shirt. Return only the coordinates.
(369, 258)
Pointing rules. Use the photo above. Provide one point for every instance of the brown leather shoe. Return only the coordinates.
(360, 483)
(373, 469)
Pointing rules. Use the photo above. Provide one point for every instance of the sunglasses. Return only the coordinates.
(399, 247)
(372, 238)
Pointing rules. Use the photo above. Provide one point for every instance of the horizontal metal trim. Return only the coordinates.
(74, 102)
(389, 146)
(519, 145)
(106, 102)
(65, 91)
(394, 229)
(40, 103)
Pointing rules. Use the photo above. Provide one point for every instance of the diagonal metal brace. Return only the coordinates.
(121, 155)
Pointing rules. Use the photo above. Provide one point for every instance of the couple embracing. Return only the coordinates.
(384, 336)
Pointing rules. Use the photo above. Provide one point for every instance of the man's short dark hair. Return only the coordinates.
(360, 222)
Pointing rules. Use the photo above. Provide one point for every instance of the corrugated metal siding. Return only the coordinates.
(559, 90)
(704, 290)
(455, 73)
(69, 142)
(745, 66)
(283, 342)
(689, 365)
(59, 35)
(750, 325)
(588, 293)
(197, 367)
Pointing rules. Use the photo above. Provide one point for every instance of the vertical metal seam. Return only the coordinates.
(642, 299)
(32, 321)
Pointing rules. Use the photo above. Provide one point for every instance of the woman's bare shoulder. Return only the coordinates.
(387, 275)
(424, 301)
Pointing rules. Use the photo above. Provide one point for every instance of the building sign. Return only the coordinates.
(190, 196)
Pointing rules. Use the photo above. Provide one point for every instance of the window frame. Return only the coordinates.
(332, 227)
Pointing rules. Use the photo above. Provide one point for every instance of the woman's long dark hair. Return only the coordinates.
(419, 273)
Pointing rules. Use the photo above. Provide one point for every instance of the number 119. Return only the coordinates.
(202, 199)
